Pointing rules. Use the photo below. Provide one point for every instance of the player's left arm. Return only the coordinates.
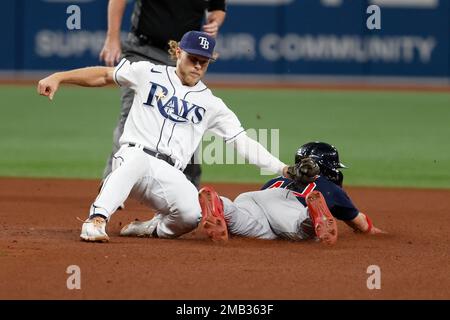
(226, 124)
(256, 154)
(342, 208)
(86, 77)
(363, 224)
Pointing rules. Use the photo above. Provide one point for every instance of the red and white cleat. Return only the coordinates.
(325, 224)
(213, 221)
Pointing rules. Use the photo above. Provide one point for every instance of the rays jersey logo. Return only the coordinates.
(175, 109)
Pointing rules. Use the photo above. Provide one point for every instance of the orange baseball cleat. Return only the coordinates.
(213, 220)
(325, 224)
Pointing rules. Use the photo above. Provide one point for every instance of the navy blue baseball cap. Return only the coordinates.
(198, 43)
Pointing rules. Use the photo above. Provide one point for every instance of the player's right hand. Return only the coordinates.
(48, 86)
(111, 52)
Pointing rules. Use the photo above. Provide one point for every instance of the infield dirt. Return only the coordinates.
(39, 240)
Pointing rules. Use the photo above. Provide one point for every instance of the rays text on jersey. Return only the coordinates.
(174, 109)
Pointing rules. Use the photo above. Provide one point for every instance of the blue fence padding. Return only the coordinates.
(426, 30)
(289, 37)
(50, 45)
(8, 30)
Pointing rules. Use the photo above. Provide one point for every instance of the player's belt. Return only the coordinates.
(155, 154)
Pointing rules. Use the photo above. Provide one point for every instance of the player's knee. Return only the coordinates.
(191, 218)
(191, 222)
(187, 208)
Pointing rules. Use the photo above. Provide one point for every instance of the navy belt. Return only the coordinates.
(155, 154)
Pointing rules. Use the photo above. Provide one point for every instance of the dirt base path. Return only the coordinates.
(39, 239)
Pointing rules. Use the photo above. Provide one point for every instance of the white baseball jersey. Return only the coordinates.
(169, 117)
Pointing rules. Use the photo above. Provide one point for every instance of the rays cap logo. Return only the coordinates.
(198, 43)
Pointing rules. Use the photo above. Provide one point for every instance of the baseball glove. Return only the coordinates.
(304, 172)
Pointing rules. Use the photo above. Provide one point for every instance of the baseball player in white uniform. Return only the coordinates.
(171, 111)
(304, 206)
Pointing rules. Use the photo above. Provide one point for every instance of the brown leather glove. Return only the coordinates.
(304, 172)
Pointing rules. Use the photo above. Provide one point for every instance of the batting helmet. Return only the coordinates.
(326, 156)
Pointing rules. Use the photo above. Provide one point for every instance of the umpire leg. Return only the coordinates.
(193, 170)
(127, 100)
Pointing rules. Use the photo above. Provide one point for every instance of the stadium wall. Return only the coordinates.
(286, 40)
